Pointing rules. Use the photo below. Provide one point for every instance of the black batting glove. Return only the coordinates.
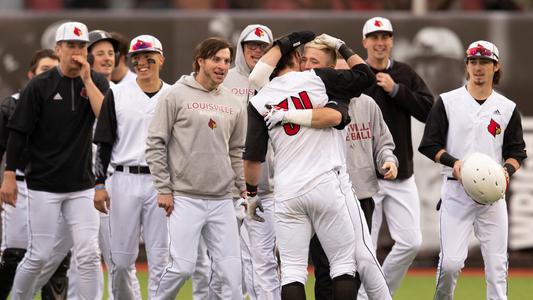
(292, 41)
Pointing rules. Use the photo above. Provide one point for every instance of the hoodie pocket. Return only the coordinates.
(206, 173)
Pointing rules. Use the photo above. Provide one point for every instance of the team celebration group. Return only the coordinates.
(270, 151)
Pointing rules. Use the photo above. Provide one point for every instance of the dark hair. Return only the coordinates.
(286, 61)
(123, 43)
(209, 48)
(40, 54)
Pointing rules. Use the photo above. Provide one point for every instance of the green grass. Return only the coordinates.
(469, 287)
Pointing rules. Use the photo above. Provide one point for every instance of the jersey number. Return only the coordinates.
(303, 102)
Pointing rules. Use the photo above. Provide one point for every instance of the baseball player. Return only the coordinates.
(300, 206)
(473, 118)
(120, 135)
(369, 149)
(121, 72)
(261, 279)
(400, 94)
(194, 151)
(55, 117)
(15, 234)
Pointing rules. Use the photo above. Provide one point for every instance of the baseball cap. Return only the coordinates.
(96, 36)
(145, 43)
(377, 24)
(72, 31)
(483, 49)
(258, 34)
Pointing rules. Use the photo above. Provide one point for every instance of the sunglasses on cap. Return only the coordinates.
(254, 45)
(481, 51)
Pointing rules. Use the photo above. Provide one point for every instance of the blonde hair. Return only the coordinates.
(319, 45)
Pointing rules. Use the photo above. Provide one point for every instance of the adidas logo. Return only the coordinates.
(497, 112)
(58, 97)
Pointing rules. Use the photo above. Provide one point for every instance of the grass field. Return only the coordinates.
(419, 284)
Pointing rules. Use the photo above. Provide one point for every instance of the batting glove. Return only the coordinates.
(254, 203)
(330, 41)
(240, 208)
(275, 116)
(292, 41)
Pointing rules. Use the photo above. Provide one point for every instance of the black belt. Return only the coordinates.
(19, 177)
(452, 178)
(133, 169)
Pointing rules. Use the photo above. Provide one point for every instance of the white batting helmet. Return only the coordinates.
(483, 178)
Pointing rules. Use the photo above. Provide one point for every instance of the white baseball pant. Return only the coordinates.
(459, 216)
(44, 209)
(15, 220)
(398, 201)
(215, 221)
(134, 205)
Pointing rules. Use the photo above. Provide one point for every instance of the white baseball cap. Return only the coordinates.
(377, 24)
(258, 34)
(72, 31)
(145, 43)
(483, 49)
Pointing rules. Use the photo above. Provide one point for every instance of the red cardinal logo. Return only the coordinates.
(212, 124)
(377, 23)
(140, 44)
(494, 128)
(77, 31)
(83, 93)
(259, 32)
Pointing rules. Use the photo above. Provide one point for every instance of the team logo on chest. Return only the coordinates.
(494, 128)
(212, 124)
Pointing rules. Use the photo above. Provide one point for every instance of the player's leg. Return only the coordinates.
(202, 275)
(368, 266)
(402, 212)
(14, 238)
(457, 213)
(367, 206)
(57, 287)
(43, 213)
(263, 250)
(222, 239)
(491, 229)
(323, 283)
(184, 224)
(248, 274)
(293, 232)
(127, 195)
(84, 223)
(155, 234)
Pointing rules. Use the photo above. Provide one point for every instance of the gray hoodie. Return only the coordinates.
(238, 83)
(369, 145)
(196, 140)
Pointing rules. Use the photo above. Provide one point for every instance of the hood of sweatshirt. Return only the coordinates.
(240, 62)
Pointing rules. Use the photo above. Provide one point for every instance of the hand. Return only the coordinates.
(274, 116)
(385, 81)
(166, 201)
(330, 41)
(292, 41)
(9, 191)
(392, 170)
(254, 203)
(457, 171)
(102, 202)
(85, 72)
(507, 179)
(240, 209)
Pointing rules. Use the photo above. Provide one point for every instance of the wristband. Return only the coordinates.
(346, 52)
(251, 190)
(510, 169)
(99, 187)
(299, 116)
(447, 159)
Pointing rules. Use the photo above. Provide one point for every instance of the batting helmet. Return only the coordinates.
(96, 36)
(483, 178)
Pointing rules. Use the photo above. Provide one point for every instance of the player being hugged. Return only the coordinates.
(473, 118)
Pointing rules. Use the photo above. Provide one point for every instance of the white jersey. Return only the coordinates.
(134, 113)
(301, 154)
(474, 127)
